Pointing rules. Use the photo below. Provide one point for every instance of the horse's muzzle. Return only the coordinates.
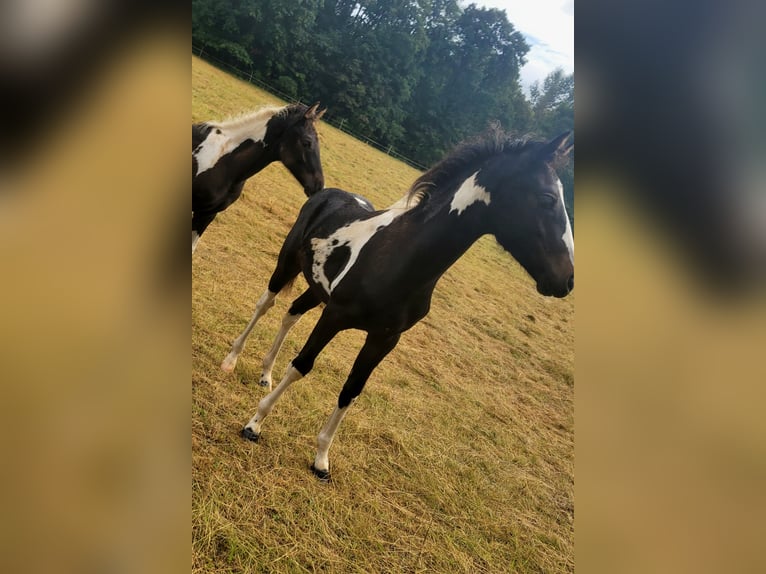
(560, 290)
(314, 185)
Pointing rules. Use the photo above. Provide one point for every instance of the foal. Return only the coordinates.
(376, 270)
(225, 154)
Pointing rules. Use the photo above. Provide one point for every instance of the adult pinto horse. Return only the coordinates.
(226, 154)
(376, 270)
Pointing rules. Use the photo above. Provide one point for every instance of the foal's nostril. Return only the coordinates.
(570, 283)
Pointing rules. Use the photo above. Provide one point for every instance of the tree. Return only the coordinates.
(553, 112)
(418, 75)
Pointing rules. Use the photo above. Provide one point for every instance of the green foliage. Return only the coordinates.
(417, 75)
(553, 114)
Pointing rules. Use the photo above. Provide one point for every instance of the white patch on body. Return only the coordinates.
(195, 238)
(362, 202)
(232, 134)
(355, 236)
(468, 194)
(567, 236)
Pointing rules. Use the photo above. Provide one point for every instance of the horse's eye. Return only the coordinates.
(307, 144)
(549, 201)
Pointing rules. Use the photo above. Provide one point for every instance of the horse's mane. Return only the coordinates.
(466, 154)
(290, 112)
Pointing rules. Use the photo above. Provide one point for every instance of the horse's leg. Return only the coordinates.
(283, 275)
(375, 348)
(300, 306)
(325, 329)
(200, 221)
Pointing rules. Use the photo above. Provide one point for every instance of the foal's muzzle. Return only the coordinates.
(552, 290)
(316, 186)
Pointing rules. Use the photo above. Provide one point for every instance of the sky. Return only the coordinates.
(548, 26)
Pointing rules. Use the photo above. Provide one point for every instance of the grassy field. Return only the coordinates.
(457, 457)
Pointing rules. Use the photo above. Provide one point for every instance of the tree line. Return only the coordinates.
(416, 75)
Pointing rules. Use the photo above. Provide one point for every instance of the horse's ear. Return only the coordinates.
(557, 147)
(311, 113)
(320, 114)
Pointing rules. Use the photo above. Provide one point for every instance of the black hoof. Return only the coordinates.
(323, 475)
(250, 435)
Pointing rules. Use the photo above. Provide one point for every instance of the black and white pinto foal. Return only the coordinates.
(376, 270)
(226, 154)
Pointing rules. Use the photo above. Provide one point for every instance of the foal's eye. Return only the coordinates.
(549, 201)
(307, 144)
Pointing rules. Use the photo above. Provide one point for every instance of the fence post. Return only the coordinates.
(251, 77)
(389, 150)
(340, 127)
(201, 49)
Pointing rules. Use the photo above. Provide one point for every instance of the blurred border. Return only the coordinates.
(670, 440)
(95, 290)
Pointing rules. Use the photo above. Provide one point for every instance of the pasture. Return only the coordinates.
(457, 457)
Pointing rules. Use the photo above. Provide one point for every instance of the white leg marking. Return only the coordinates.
(195, 238)
(326, 435)
(567, 236)
(268, 361)
(267, 402)
(265, 303)
(469, 193)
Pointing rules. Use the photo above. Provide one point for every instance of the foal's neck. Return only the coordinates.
(438, 236)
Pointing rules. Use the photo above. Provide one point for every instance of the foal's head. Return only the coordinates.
(527, 212)
(299, 149)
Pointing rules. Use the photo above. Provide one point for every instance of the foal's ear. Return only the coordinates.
(311, 113)
(320, 114)
(557, 147)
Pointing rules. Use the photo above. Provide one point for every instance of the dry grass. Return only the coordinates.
(457, 457)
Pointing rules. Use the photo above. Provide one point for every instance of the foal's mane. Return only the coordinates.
(291, 113)
(469, 153)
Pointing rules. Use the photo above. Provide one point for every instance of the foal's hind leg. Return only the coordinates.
(375, 348)
(279, 280)
(300, 306)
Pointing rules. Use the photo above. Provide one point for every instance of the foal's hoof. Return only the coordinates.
(229, 363)
(250, 435)
(323, 475)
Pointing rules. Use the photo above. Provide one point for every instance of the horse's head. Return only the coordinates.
(299, 151)
(528, 215)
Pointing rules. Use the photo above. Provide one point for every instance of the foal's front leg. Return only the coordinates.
(375, 348)
(325, 329)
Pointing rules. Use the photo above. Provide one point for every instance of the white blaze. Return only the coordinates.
(468, 194)
(567, 236)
